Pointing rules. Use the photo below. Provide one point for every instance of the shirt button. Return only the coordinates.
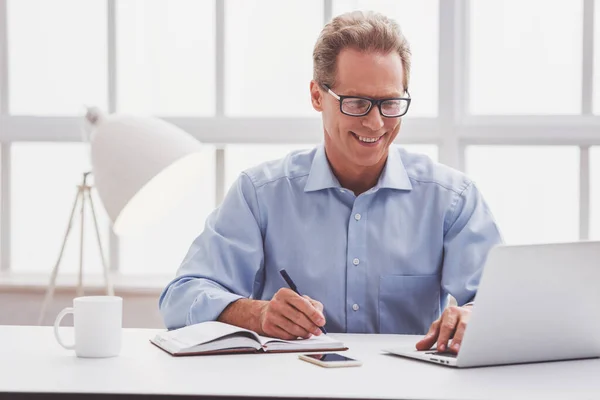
(355, 307)
(342, 191)
(356, 261)
(357, 216)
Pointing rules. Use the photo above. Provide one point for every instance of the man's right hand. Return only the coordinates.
(290, 316)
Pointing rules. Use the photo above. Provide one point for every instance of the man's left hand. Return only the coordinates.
(451, 324)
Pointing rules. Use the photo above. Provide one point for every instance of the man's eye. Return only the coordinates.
(356, 103)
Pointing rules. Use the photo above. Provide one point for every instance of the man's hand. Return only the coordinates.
(451, 324)
(289, 316)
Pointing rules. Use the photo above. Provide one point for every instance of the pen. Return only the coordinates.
(292, 285)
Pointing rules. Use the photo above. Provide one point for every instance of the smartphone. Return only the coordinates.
(330, 360)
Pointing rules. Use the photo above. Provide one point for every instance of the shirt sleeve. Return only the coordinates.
(222, 264)
(470, 234)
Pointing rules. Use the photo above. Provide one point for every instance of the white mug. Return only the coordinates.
(97, 321)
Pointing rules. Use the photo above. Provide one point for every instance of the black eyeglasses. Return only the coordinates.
(356, 106)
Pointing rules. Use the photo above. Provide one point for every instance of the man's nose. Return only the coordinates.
(373, 120)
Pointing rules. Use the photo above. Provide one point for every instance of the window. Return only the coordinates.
(419, 23)
(595, 193)
(596, 94)
(44, 179)
(533, 191)
(525, 57)
(520, 66)
(57, 56)
(165, 57)
(161, 248)
(268, 53)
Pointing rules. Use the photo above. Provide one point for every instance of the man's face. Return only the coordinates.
(364, 74)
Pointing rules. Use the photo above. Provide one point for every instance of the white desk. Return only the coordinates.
(32, 362)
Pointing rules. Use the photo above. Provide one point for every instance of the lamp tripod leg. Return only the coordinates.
(79, 291)
(107, 280)
(50, 290)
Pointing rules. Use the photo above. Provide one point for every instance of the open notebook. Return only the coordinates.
(220, 338)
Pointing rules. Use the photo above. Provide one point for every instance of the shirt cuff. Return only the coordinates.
(209, 305)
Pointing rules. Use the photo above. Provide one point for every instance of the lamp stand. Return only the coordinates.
(82, 197)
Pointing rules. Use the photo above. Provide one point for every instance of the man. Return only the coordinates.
(378, 236)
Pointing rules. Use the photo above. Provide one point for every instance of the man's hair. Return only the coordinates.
(363, 31)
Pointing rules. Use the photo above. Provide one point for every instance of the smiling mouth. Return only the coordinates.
(367, 139)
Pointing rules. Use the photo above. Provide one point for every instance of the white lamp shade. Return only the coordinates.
(141, 166)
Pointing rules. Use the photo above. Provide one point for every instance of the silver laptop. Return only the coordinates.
(534, 303)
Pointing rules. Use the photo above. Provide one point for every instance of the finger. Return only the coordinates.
(290, 327)
(305, 307)
(447, 327)
(277, 332)
(316, 304)
(458, 336)
(299, 318)
(430, 337)
(285, 316)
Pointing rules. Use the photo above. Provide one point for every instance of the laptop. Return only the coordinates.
(535, 303)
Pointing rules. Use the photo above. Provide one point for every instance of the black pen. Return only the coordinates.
(292, 286)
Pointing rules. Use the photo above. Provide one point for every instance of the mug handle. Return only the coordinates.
(59, 317)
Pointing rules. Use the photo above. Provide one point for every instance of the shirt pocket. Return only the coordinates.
(408, 304)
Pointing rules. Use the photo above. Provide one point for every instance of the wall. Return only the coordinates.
(22, 307)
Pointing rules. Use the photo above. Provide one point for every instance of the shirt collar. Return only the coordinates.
(320, 176)
(393, 176)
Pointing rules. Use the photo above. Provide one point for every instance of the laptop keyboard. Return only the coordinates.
(443, 354)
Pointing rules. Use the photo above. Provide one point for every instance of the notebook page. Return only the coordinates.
(204, 332)
(314, 341)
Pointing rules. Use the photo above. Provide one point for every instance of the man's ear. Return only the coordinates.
(316, 96)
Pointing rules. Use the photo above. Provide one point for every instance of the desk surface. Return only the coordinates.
(32, 362)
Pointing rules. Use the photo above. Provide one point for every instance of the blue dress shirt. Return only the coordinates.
(381, 262)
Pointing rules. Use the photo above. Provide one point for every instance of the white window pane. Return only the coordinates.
(239, 157)
(533, 191)
(419, 22)
(430, 150)
(166, 57)
(595, 193)
(162, 246)
(525, 57)
(268, 53)
(57, 56)
(597, 57)
(44, 185)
